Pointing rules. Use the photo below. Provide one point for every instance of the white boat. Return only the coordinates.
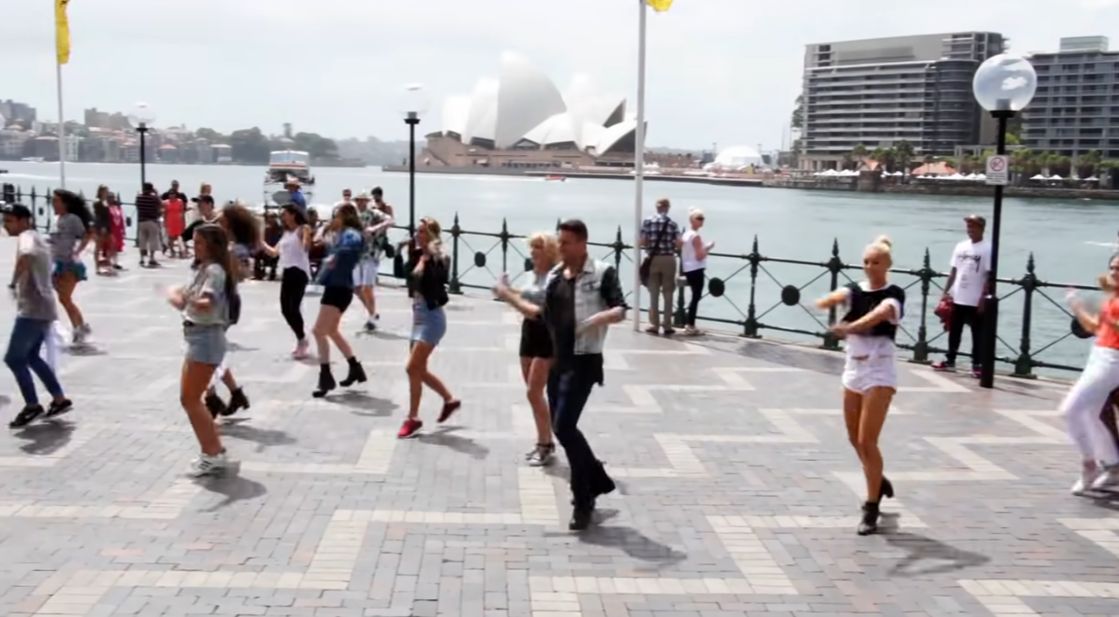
(32, 159)
(282, 166)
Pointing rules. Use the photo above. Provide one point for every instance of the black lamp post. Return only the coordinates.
(415, 104)
(142, 117)
(1003, 85)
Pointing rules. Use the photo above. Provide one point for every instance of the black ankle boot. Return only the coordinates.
(326, 382)
(869, 524)
(356, 374)
(581, 517)
(885, 489)
(214, 404)
(237, 402)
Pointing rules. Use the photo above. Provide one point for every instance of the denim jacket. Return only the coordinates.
(597, 289)
(344, 255)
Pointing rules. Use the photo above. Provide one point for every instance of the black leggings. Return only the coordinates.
(964, 316)
(695, 282)
(292, 286)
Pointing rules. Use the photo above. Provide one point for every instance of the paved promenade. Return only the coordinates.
(739, 493)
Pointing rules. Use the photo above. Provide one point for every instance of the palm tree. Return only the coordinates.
(859, 153)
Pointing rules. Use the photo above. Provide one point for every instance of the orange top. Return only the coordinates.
(1108, 333)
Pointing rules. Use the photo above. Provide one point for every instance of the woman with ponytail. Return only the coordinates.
(1081, 407)
(72, 234)
(875, 308)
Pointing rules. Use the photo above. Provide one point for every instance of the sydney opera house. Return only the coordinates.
(521, 121)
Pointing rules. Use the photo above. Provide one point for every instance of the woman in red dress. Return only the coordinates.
(116, 230)
(174, 223)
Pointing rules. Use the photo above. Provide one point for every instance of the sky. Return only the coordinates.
(719, 71)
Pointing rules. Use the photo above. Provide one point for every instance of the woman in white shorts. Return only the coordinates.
(875, 308)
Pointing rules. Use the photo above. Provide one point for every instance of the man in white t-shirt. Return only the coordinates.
(967, 286)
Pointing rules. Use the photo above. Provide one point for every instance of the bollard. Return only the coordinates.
(1023, 366)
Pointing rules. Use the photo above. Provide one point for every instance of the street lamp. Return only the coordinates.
(1003, 85)
(141, 118)
(414, 105)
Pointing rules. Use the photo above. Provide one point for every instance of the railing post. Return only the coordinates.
(750, 328)
(504, 246)
(921, 348)
(1023, 367)
(455, 286)
(619, 247)
(835, 265)
(35, 218)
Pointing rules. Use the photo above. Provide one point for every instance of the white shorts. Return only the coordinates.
(872, 372)
(365, 274)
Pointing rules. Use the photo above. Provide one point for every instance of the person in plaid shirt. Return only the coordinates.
(660, 237)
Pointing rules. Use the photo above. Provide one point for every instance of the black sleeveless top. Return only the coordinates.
(862, 302)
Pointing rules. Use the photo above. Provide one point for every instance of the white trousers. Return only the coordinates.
(1083, 404)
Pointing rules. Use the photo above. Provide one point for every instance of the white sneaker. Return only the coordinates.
(1087, 479)
(216, 465)
(1107, 480)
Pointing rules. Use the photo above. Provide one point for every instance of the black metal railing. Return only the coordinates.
(772, 302)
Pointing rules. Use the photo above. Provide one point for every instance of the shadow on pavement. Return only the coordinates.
(238, 347)
(924, 549)
(385, 335)
(234, 489)
(45, 438)
(238, 429)
(634, 543)
(85, 349)
(361, 403)
(791, 356)
(445, 437)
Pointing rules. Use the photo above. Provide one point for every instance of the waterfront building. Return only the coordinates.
(16, 112)
(1076, 108)
(521, 120)
(879, 92)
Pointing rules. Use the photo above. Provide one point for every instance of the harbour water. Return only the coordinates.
(1071, 240)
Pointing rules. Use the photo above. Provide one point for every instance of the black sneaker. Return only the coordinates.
(237, 402)
(57, 408)
(581, 518)
(26, 416)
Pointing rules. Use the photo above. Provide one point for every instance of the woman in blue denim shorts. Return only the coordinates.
(427, 268)
(71, 235)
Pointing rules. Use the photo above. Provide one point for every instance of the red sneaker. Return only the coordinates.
(409, 428)
(944, 367)
(448, 410)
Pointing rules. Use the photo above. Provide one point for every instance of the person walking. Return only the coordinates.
(660, 237)
(380, 203)
(1092, 391)
(875, 309)
(536, 346)
(295, 193)
(174, 222)
(374, 225)
(337, 278)
(35, 314)
(582, 298)
(204, 304)
(693, 261)
(117, 227)
(71, 235)
(149, 209)
(427, 268)
(293, 253)
(103, 232)
(967, 285)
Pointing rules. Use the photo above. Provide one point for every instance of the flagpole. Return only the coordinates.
(61, 129)
(639, 167)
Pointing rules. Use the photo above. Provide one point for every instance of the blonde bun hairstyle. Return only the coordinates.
(883, 246)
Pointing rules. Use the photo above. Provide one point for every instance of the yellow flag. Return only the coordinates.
(62, 31)
(659, 6)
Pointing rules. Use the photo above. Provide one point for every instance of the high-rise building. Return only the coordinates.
(879, 92)
(1076, 108)
(15, 112)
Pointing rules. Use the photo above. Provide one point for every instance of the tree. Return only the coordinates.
(797, 120)
(1088, 163)
(316, 145)
(210, 134)
(904, 153)
(249, 146)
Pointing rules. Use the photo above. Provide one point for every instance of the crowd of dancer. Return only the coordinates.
(568, 301)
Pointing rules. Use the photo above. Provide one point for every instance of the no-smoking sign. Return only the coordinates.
(998, 170)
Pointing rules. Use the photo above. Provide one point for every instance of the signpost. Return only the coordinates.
(998, 170)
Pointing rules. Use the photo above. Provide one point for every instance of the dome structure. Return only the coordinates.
(523, 109)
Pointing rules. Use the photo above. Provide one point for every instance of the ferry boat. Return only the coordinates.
(282, 166)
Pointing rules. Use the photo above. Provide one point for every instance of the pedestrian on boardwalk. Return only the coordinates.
(337, 279)
(374, 224)
(117, 227)
(35, 313)
(204, 304)
(347, 200)
(1081, 406)
(149, 209)
(536, 345)
(103, 229)
(295, 193)
(293, 252)
(582, 298)
(175, 193)
(693, 262)
(660, 237)
(967, 285)
(874, 309)
(72, 234)
(380, 203)
(428, 267)
(239, 224)
(174, 222)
